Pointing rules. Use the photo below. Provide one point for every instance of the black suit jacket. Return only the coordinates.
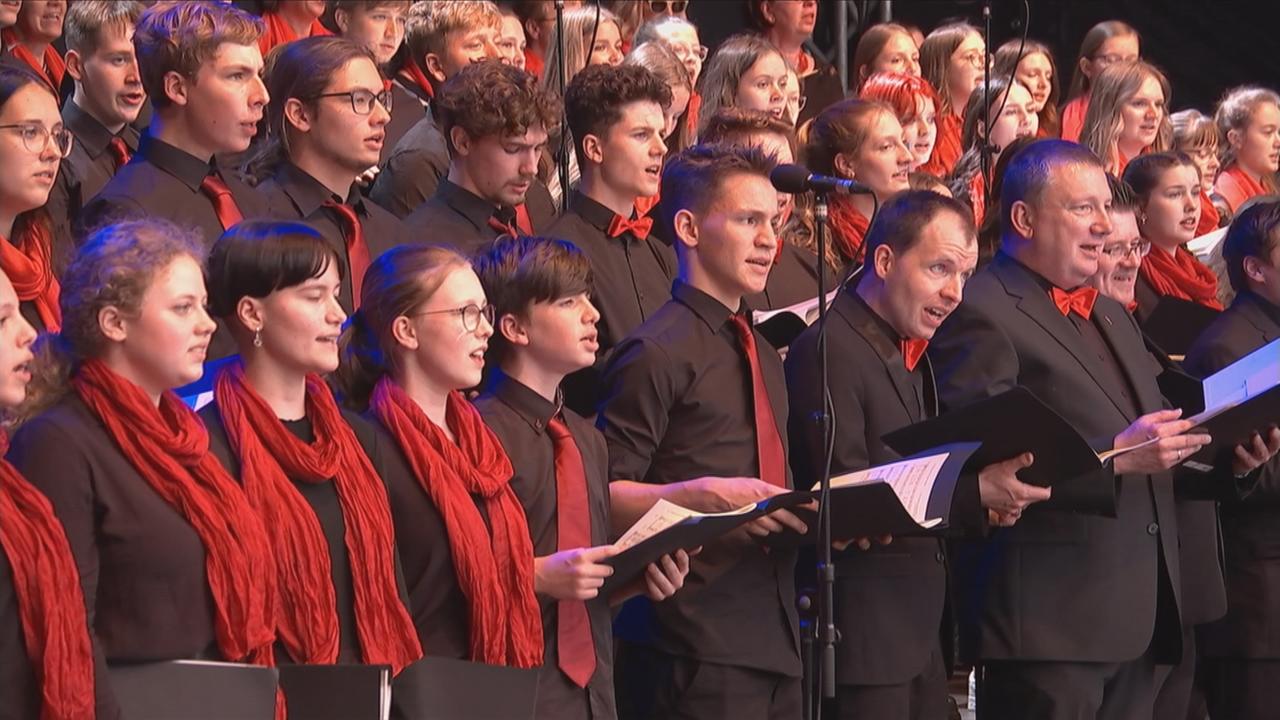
(889, 600)
(1061, 585)
(1250, 525)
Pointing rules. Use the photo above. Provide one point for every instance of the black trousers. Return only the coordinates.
(1242, 689)
(653, 685)
(1018, 689)
(1181, 695)
(923, 697)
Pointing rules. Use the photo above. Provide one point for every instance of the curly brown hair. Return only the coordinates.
(594, 99)
(490, 98)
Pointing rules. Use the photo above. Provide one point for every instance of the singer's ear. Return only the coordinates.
(686, 228)
(882, 261)
(592, 149)
(844, 166)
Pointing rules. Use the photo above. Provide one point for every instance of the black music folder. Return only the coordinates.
(337, 692)
(782, 326)
(1174, 323)
(668, 527)
(1237, 401)
(438, 688)
(1007, 425)
(194, 690)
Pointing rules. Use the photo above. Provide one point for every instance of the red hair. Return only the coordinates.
(900, 92)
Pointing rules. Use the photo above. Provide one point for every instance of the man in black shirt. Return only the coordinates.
(615, 118)
(200, 65)
(496, 119)
(330, 112)
(695, 411)
(441, 39)
(108, 96)
(545, 328)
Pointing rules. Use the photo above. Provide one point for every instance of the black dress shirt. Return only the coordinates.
(414, 168)
(458, 218)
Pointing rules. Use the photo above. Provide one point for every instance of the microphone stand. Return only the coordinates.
(562, 156)
(986, 147)
(826, 569)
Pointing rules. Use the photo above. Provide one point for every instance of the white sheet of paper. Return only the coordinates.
(665, 514)
(1245, 378)
(807, 310)
(912, 481)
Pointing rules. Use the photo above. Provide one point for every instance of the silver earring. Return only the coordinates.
(257, 338)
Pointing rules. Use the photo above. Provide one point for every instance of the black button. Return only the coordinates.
(940, 557)
(1153, 529)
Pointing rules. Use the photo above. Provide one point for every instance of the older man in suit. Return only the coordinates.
(1071, 615)
(890, 598)
(1242, 651)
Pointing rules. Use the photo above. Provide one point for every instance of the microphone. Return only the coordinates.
(796, 179)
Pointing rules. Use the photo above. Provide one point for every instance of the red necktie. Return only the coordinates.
(522, 220)
(503, 228)
(1080, 300)
(224, 206)
(120, 152)
(357, 250)
(575, 647)
(640, 227)
(912, 351)
(772, 458)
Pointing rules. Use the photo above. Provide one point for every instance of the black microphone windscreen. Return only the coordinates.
(792, 179)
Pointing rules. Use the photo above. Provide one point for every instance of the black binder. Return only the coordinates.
(194, 690)
(1174, 323)
(687, 535)
(336, 692)
(437, 688)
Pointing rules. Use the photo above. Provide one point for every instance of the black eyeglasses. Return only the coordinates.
(1119, 251)
(660, 6)
(362, 100)
(36, 137)
(470, 315)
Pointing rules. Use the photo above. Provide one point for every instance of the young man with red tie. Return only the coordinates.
(496, 119)
(327, 126)
(890, 598)
(108, 97)
(615, 118)
(200, 66)
(545, 328)
(1030, 599)
(694, 410)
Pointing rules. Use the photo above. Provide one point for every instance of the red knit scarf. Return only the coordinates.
(270, 455)
(495, 573)
(1209, 216)
(948, 148)
(50, 67)
(848, 228)
(50, 601)
(279, 32)
(1182, 276)
(412, 74)
(1073, 117)
(1236, 186)
(169, 448)
(27, 263)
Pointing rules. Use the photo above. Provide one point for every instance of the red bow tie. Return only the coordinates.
(912, 351)
(639, 227)
(1080, 300)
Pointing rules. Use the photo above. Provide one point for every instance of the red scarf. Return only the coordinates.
(1209, 217)
(270, 455)
(978, 197)
(413, 74)
(692, 112)
(495, 573)
(948, 149)
(50, 601)
(848, 228)
(169, 448)
(1182, 276)
(1236, 186)
(533, 62)
(279, 32)
(27, 263)
(1073, 117)
(51, 67)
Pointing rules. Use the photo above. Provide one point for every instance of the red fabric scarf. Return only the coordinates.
(280, 32)
(51, 66)
(495, 573)
(413, 74)
(1236, 186)
(948, 148)
(50, 601)
(1182, 276)
(270, 455)
(978, 197)
(169, 448)
(1073, 117)
(848, 228)
(27, 263)
(1209, 217)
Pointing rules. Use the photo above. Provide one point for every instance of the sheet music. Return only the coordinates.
(1243, 379)
(806, 311)
(912, 481)
(665, 514)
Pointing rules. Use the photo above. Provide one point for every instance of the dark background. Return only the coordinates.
(1204, 46)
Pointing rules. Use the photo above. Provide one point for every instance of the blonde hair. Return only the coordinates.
(935, 60)
(579, 27)
(1193, 129)
(1113, 89)
(718, 84)
(430, 23)
(1235, 111)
